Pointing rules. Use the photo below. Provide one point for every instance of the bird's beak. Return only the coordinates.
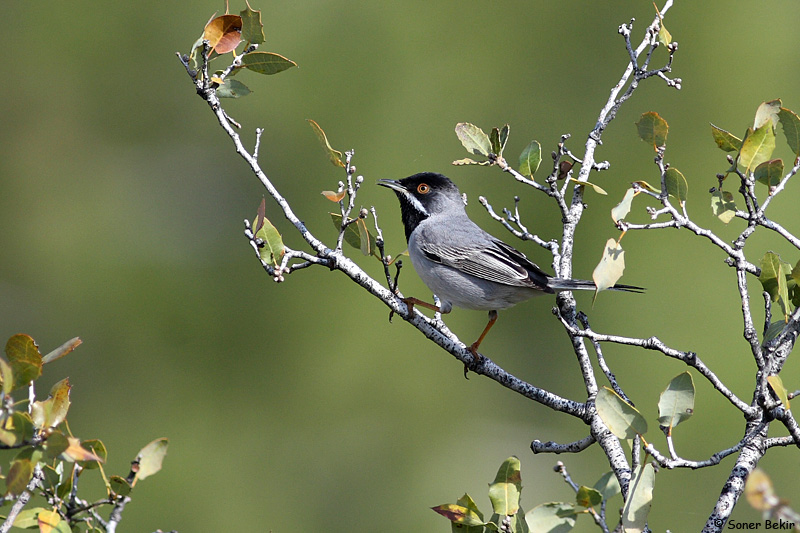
(393, 184)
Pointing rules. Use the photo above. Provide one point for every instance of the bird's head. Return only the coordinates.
(424, 195)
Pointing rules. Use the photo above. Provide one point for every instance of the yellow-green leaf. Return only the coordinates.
(48, 520)
(676, 184)
(52, 411)
(723, 206)
(150, 458)
(473, 139)
(621, 210)
(588, 497)
(759, 492)
(769, 173)
(776, 383)
(597, 188)
(757, 147)
(653, 129)
(773, 278)
(273, 249)
(335, 156)
(610, 267)
(505, 490)
(726, 140)
(458, 514)
(25, 360)
(640, 498)
(767, 112)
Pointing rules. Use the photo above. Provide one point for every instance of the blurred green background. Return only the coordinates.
(299, 407)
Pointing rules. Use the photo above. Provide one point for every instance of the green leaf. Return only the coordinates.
(610, 267)
(25, 360)
(530, 158)
(498, 138)
(473, 139)
(774, 330)
(273, 250)
(467, 502)
(621, 210)
(16, 429)
(640, 498)
(150, 458)
(726, 140)
(769, 173)
(776, 383)
(352, 235)
(653, 129)
(767, 112)
(621, 418)
(459, 514)
(27, 518)
(266, 62)
(757, 147)
(364, 237)
(231, 88)
(62, 350)
(97, 448)
(53, 411)
(56, 444)
(335, 156)
(18, 476)
(773, 279)
(554, 517)
(119, 485)
(588, 497)
(723, 206)
(676, 403)
(252, 28)
(608, 485)
(504, 491)
(676, 184)
(791, 129)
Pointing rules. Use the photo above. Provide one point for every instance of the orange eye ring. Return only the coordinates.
(423, 188)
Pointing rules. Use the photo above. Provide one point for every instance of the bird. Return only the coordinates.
(463, 265)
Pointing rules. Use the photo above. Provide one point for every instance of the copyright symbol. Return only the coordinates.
(718, 522)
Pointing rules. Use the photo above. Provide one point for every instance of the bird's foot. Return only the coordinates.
(477, 359)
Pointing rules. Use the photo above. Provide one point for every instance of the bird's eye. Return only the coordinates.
(423, 188)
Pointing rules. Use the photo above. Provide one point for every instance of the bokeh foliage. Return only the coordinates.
(122, 208)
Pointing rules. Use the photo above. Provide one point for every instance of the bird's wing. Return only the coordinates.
(497, 262)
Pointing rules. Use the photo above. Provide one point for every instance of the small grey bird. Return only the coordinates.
(462, 264)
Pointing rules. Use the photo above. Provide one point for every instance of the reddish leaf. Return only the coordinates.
(224, 33)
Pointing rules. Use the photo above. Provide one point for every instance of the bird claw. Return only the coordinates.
(477, 360)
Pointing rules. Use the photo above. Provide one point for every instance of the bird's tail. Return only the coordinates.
(561, 284)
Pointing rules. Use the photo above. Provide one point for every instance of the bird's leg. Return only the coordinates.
(476, 357)
(411, 302)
